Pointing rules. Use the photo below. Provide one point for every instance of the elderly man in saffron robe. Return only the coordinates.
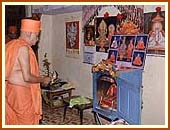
(23, 104)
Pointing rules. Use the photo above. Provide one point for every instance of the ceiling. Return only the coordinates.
(56, 9)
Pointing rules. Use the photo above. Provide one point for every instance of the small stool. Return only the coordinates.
(80, 108)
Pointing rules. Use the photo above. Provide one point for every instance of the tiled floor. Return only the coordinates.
(55, 117)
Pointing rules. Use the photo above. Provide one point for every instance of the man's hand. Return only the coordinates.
(46, 80)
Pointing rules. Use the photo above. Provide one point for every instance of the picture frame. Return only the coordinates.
(130, 50)
(141, 42)
(105, 27)
(156, 40)
(115, 41)
(89, 35)
(126, 47)
(113, 55)
(72, 39)
(138, 59)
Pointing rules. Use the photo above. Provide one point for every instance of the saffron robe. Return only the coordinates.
(23, 105)
(140, 45)
(137, 61)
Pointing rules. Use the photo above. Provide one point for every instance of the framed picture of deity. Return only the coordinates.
(72, 39)
(89, 35)
(155, 27)
(105, 28)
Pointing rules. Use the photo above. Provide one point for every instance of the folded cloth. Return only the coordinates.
(79, 101)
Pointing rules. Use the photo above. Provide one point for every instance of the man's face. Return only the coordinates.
(34, 38)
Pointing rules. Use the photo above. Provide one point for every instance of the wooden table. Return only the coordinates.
(57, 92)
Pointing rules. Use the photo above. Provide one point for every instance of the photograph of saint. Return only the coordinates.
(130, 47)
(155, 27)
(141, 42)
(157, 36)
(112, 55)
(115, 42)
(122, 49)
(138, 59)
(89, 36)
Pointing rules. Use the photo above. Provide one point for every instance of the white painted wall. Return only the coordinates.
(53, 42)
(71, 69)
(153, 112)
(46, 37)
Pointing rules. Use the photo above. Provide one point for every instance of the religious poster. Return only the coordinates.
(72, 39)
(128, 50)
(139, 53)
(141, 42)
(89, 37)
(105, 28)
(126, 47)
(131, 20)
(155, 27)
(138, 59)
(112, 55)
